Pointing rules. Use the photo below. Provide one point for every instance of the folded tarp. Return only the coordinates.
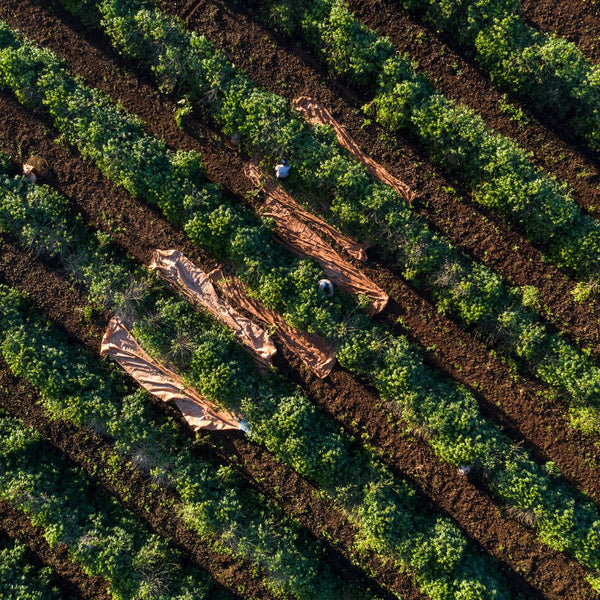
(162, 382)
(186, 278)
(309, 348)
(316, 114)
(299, 237)
(352, 247)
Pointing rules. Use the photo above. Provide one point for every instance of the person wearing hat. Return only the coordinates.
(34, 168)
(282, 170)
(326, 287)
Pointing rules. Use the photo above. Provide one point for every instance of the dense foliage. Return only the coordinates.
(550, 72)
(20, 579)
(105, 538)
(500, 173)
(447, 413)
(384, 508)
(367, 208)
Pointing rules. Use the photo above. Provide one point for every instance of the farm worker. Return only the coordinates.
(326, 287)
(282, 170)
(235, 139)
(35, 167)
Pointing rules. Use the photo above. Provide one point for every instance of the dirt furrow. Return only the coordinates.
(490, 511)
(522, 560)
(274, 480)
(74, 583)
(133, 489)
(576, 20)
(260, 53)
(553, 147)
(460, 355)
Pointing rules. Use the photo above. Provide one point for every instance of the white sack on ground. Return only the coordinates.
(162, 382)
(188, 279)
(314, 113)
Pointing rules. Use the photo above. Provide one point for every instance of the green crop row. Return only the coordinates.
(548, 71)
(107, 539)
(446, 413)
(22, 580)
(215, 502)
(500, 173)
(87, 395)
(281, 417)
(371, 210)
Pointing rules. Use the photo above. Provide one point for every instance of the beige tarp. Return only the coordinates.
(315, 113)
(161, 382)
(299, 238)
(185, 277)
(352, 247)
(309, 348)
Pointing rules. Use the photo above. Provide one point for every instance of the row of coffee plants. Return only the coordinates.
(215, 502)
(385, 510)
(107, 539)
(89, 395)
(187, 63)
(20, 578)
(501, 174)
(547, 70)
(448, 414)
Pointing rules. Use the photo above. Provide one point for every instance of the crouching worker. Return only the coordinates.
(34, 168)
(326, 287)
(282, 170)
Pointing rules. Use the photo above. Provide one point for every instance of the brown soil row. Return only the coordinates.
(276, 481)
(112, 84)
(512, 544)
(555, 152)
(73, 582)
(554, 149)
(156, 506)
(520, 400)
(256, 50)
(576, 20)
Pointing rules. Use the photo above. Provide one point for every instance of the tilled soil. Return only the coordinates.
(576, 20)
(257, 51)
(140, 235)
(73, 582)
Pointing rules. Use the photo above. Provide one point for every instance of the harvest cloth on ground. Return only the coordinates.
(352, 247)
(314, 113)
(162, 382)
(185, 277)
(300, 239)
(309, 348)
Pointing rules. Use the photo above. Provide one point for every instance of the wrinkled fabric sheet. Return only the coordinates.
(314, 113)
(188, 279)
(309, 348)
(300, 238)
(352, 247)
(161, 382)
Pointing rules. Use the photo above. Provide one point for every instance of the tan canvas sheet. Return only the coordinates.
(315, 113)
(301, 239)
(188, 279)
(309, 348)
(352, 247)
(162, 382)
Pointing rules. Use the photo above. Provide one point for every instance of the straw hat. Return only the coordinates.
(39, 165)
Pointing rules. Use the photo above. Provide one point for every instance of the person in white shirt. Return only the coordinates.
(282, 170)
(326, 287)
